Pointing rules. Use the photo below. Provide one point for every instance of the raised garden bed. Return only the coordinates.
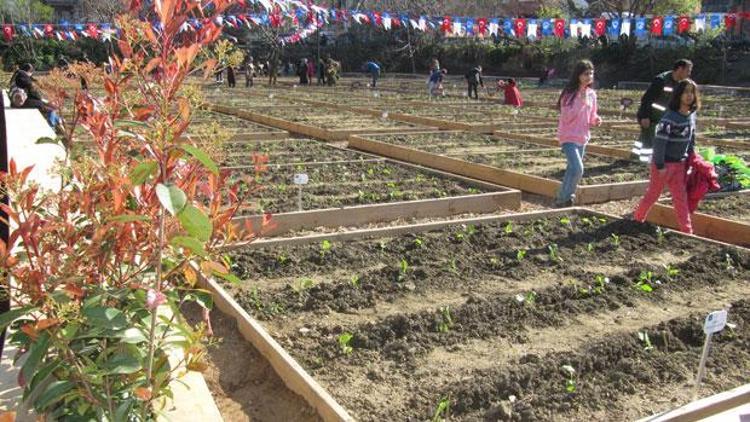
(472, 314)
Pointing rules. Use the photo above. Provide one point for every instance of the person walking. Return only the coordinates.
(435, 82)
(302, 72)
(474, 80)
(321, 71)
(374, 70)
(578, 112)
(249, 72)
(654, 104)
(231, 79)
(673, 143)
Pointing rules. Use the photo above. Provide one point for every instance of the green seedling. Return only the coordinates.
(282, 259)
(452, 266)
(418, 242)
(474, 190)
(255, 299)
(382, 245)
(600, 281)
(386, 171)
(303, 285)
(494, 262)
(354, 281)
(403, 268)
(521, 254)
(671, 271)
(441, 410)
(470, 230)
(646, 281)
(659, 234)
(615, 240)
(565, 221)
(325, 248)
(570, 383)
(344, 340)
(590, 247)
(643, 337)
(508, 228)
(602, 220)
(554, 253)
(459, 237)
(528, 298)
(446, 320)
(587, 221)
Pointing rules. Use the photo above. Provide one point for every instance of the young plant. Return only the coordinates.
(453, 266)
(528, 298)
(255, 299)
(643, 337)
(418, 242)
(446, 320)
(442, 410)
(345, 340)
(614, 238)
(554, 253)
(403, 269)
(600, 281)
(508, 228)
(354, 281)
(570, 382)
(659, 234)
(671, 271)
(590, 247)
(325, 248)
(521, 254)
(302, 285)
(565, 222)
(646, 281)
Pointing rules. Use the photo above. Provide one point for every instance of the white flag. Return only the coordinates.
(494, 28)
(531, 29)
(700, 23)
(387, 24)
(625, 27)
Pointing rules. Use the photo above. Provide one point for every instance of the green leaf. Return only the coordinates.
(129, 218)
(192, 244)
(37, 351)
(142, 171)
(109, 318)
(7, 317)
(122, 411)
(54, 393)
(196, 223)
(122, 364)
(120, 122)
(203, 298)
(202, 157)
(228, 277)
(171, 197)
(132, 336)
(47, 140)
(39, 378)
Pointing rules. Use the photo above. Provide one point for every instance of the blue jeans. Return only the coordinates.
(573, 173)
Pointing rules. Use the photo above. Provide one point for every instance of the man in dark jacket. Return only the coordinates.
(654, 104)
(474, 79)
(23, 79)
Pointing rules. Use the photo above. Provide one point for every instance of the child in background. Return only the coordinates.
(512, 94)
(673, 143)
(578, 112)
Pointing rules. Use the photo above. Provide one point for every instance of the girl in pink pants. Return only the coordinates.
(674, 142)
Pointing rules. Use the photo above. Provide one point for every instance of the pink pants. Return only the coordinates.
(674, 178)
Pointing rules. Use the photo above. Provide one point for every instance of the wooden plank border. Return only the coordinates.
(705, 225)
(704, 408)
(587, 194)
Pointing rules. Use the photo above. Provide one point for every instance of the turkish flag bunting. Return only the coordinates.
(520, 27)
(446, 26)
(730, 20)
(92, 30)
(49, 30)
(559, 28)
(482, 24)
(378, 18)
(657, 25)
(275, 19)
(600, 27)
(683, 24)
(8, 32)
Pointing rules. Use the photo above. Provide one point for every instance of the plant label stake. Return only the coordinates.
(715, 322)
(300, 179)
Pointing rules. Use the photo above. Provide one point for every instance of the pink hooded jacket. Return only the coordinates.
(577, 117)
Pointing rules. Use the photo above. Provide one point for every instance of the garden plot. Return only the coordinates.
(578, 317)
(459, 143)
(735, 134)
(205, 123)
(734, 206)
(526, 158)
(347, 188)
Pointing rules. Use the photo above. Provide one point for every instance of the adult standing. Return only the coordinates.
(474, 80)
(321, 71)
(302, 72)
(249, 72)
(654, 104)
(231, 78)
(310, 70)
(374, 70)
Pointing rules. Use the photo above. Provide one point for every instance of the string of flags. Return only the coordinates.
(304, 19)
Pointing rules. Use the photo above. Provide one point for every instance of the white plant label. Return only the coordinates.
(715, 322)
(301, 179)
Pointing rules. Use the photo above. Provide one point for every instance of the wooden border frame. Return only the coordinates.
(706, 407)
(588, 194)
(705, 225)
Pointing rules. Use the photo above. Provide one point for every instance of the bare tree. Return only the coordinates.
(102, 10)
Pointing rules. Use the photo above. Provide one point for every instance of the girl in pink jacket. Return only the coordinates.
(578, 112)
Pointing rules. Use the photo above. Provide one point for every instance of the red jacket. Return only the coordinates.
(513, 96)
(701, 179)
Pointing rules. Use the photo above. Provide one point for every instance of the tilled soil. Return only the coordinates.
(477, 314)
(733, 207)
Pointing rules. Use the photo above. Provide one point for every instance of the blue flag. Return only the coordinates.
(715, 21)
(547, 27)
(640, 27)
(470, 26)
(614, 27)
(508, 27)
(668, 25)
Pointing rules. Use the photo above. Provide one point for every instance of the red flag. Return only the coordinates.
(657, 25)
(683, 24)
(560, 28)
(520, 27)
(8, 32)
(730, 20)
(600, 27)
(378, 18)
(275, 19)
(395, 22)
(446, 26)
(482, 24)
(92, 30)
(49, 30)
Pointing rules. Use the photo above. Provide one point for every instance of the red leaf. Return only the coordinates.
(110, 86)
